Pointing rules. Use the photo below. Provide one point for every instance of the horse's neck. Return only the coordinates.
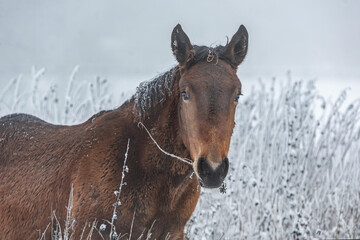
(164, 128)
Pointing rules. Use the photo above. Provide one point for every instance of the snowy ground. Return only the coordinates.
(295, 156)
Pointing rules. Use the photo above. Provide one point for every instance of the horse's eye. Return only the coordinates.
(236, 99)
(185, 95)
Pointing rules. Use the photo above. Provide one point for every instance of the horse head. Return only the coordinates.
(209, 90)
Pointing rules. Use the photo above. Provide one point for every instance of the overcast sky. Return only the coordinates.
(112, 38)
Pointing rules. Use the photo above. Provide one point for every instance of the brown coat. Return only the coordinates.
(39, 162)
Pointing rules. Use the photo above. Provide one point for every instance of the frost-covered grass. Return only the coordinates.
(295, 170)
(295, 158)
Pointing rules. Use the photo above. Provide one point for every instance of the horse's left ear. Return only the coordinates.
(181, 46)
(236, 49)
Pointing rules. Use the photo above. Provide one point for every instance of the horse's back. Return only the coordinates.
(11, 125)
(19, 133)
(17, 118)
(29, 143)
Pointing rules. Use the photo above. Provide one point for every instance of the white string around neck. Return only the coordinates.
(185, 160)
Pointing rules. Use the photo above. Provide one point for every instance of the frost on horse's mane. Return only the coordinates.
(153, 93)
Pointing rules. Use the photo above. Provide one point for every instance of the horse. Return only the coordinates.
(187, 112)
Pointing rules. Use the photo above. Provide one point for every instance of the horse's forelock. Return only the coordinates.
(209, 54)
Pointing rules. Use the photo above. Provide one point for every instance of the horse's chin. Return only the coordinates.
(204, 185)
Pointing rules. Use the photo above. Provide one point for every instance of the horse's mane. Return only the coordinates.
(150, 95)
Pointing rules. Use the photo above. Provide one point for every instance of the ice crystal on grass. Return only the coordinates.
(113, 233)
(102, 227)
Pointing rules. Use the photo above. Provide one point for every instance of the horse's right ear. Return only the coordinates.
(181, 46)
(237, 48)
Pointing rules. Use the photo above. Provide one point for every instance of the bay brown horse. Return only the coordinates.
(188, 110)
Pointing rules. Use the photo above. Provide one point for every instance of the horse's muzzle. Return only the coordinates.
(209, 177)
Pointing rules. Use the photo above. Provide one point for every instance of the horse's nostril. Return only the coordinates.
(225, 165)
(203, 167)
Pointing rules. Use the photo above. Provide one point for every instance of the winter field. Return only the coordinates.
(294, 158)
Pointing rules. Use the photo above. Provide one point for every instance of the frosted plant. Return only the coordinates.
(113, 233)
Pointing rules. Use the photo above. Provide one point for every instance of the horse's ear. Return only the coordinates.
(236, 49)
(181, 45)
